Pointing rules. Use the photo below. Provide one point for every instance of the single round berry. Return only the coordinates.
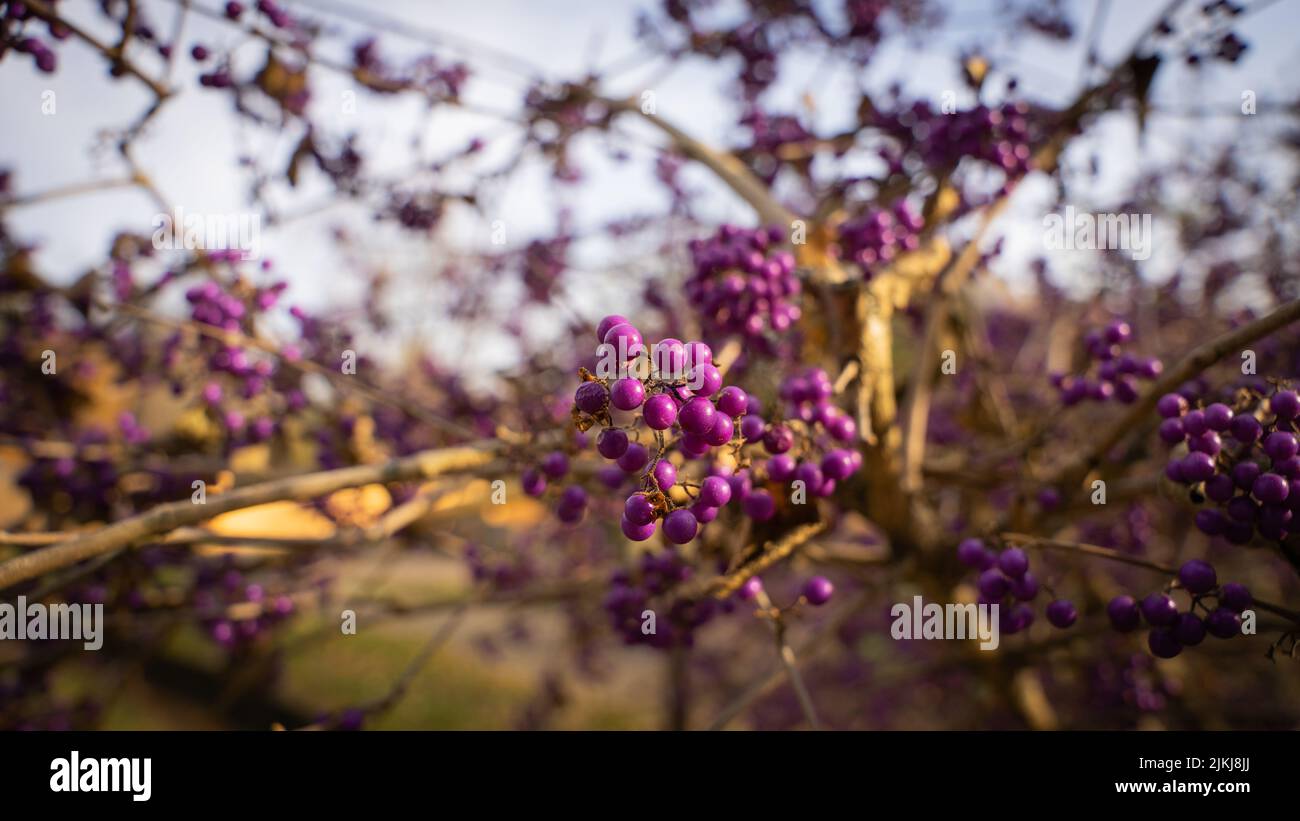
(680, 526)
(665, 474)
(1171, 405)
(1189, 630)
(1159, 610)
(1245, 428)
(638, 510)
(1281, 445)
(1220, 487)
(810, 474)
(1061, 613)
(818, 590)
(635, 458)
(973, 553)
(1013, 561)
(733, 401)
(1285, 405)
(1211, 522)
(1270, 488)
(611, 443)
(721, 431)
(715, 491)
(703, 513)
(697, 353)
(1218, 416)
(660, 412)
(1197, 576)
(750, 589)
(636, 532)
(780, 468)
(1244, 474)
(1197, 467)
(534, 483)
(627, 393)
(608, 322)
(626, 340)
(1222, 623)
(1171, 431)
(993, 585)
(1025, 587)
(778, 439)
(554, 464)
(1163, 643)
(1194, 423)
(591, 397)
(752, 427)
(759, 506)
(696, 416)
(704, 379)
(1235, 597)
(837, 465)
(1123, 613)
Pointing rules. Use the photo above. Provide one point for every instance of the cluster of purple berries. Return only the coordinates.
(879, 236)
(998, 135)
(744, 284)
(808, 398)
(630, 597)
(554, 466)
(1116, 373)
(1171, 629)
(1246, 461)
(1005, 580)
(680, 392)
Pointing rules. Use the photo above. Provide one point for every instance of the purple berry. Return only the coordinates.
(1061, 613)
(591, 397)
(749, 590)
(680, 526)
(609, 322)
(993, 585)
(972, 553)
(818, 590)
(611, 443)
(1013, 561)
(1124, 613)
(1280, 445)
(638, 510)
(715, 491)
(1285, 405)
(635, 458)
(1189, 630)
(554, 464)
(733, 401)
(696, 416)
(1270, 488)
(660, 412)
(1197, 576)
(627, 393)
(1236, 597)
(1159, 610)
(1171, 405)
(1222, 623)
(1245, 428)
(759, 506)
(637, 533)
(1163, 644)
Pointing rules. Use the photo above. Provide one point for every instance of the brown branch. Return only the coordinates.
(725, 165)
(1200, 359)
(721, 587)
(47, 13)
(1026, 540)
(168, 517)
